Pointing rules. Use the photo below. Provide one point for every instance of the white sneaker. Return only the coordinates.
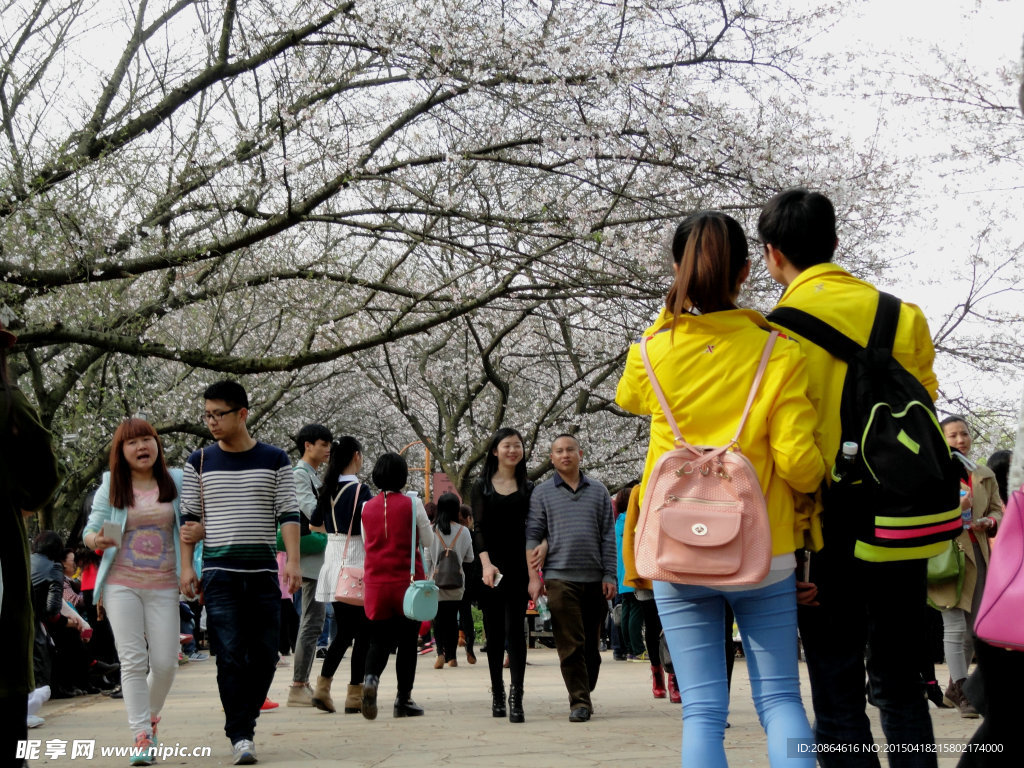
(198, 656)
(244, 752)
(34, 721)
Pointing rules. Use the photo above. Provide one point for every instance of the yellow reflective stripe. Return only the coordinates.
(900, 415)
(905, 522)
(875, 554)
(908, 442)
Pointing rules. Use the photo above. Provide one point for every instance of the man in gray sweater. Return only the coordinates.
(574, 513)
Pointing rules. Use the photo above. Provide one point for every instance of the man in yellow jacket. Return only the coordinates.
(863, 608)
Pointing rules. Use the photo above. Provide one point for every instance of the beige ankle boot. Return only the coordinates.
(300, 696)
(354, 700)
(322, 694)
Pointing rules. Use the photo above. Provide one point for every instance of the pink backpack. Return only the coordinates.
(998, 619)
(703, 519)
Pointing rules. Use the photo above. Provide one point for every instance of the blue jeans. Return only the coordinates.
(692, 618)
(870, 616)
(243, 615)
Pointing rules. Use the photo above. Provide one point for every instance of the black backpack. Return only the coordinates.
(900, 498)
(448, 569)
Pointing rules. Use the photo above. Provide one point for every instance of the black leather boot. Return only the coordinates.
(406, 707)
(498, 701)
(369, 704)
(515, 704)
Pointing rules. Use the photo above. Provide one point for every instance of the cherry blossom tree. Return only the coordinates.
(289, 192)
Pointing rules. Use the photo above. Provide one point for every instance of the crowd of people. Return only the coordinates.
(246, 529)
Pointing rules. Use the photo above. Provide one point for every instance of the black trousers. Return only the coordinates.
(353, 630)
(446, 628)
(504, 609)
(395, 632)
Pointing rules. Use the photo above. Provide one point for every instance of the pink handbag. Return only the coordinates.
(998, 619)
(349, 588)
(703, 520)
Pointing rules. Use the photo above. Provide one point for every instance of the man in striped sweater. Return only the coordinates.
(240, 490)
(574, 513)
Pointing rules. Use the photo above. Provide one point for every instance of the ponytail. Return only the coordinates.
(343, 450)
(710, 250)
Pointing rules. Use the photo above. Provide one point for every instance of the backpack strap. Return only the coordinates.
(816, 331)
(887, 317)
(836, 343)
(667, 410)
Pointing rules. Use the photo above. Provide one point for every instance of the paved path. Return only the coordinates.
(629, 727)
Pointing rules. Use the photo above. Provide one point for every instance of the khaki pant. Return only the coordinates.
(578, 610)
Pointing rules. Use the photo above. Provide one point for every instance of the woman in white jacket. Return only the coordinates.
(137, 580)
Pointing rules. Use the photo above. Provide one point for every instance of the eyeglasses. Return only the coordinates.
(211, 416)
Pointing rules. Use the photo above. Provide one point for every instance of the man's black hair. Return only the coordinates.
(231, 392)
(801, 224)
(310, 434)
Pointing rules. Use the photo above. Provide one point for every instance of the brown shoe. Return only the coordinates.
(966, 708)
(953, 694)
(300, 696)
(453, 663)
(354, 700)
(322, 694)
(470, 656)
(462, 639)
(439, 663)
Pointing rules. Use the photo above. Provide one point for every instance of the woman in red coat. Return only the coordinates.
(387, 522)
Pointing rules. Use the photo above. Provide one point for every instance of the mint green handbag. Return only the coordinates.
(420, 601)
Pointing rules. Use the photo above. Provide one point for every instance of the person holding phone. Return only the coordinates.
(500, 499)
(134, 521)
(982, 511)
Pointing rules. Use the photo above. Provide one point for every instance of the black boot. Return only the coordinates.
(515, 704)
(406, 707)
(498, 701)
(369, 704)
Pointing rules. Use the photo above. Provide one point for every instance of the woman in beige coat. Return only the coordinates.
(982, 503)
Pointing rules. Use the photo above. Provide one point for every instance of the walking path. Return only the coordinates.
(629, 729)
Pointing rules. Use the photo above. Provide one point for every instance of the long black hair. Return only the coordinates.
(447, 512)
(343, 450)
(491, 461)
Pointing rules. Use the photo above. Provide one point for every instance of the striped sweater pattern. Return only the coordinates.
(246, 495)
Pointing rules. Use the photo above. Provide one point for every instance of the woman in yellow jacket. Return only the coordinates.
(704, 351)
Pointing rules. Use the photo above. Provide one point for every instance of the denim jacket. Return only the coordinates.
(102, 512)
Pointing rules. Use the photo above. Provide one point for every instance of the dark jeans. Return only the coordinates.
(875, 609)
(353, 630)
(1002, 707)
(504, 610)
(289, 626)
(577, 612)
(12, 728)
(632, 625)
(243, 619)
(386, 635)
(446, 628)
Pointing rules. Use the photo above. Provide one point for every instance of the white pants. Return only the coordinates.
(138, 616)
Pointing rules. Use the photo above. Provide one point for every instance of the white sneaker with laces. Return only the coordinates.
(244, 752)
